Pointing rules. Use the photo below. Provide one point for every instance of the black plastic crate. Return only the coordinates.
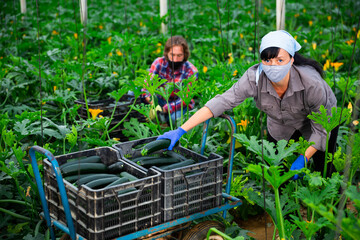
(102, 214)
(185, 190)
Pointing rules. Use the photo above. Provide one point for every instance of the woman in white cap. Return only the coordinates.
(287, 87)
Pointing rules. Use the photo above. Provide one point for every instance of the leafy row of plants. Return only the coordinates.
(109, 57)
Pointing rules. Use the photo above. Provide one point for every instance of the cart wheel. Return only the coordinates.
(199, 231)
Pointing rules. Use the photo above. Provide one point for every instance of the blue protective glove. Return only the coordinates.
(298, 164)
(173, 135)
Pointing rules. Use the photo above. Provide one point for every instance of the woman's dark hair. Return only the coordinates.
(299, 60)
(177, 41)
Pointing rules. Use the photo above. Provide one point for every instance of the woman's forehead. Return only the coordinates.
(283, 53)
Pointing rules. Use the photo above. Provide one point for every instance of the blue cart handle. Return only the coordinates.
(231, 151)
(59, 179)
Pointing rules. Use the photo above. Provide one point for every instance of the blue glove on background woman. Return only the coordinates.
(298, 164)
(173, 135)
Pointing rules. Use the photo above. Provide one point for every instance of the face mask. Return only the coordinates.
(177, 65)
(276, 73)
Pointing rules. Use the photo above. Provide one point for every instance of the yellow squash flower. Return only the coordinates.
(310, 23)
(314, 46)
(55, 88)
(329, 18)
(101, 27)
(75, 35)
(336, 65)
(235, 73)
(231, 59)
(109, 40)
(305, 41)
(95, 112)
(350, 42)
(358, 34)
(28, 191)
(241, 35)
(350, 107)
(355, 122)
(118, 52)
(205, 69)
(243, 124)
(54, 32)
(110, 54)
(296, 15)
(326, 65)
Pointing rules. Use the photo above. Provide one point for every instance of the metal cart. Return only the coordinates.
(229, 201)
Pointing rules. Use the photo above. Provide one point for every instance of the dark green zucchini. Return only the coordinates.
(157, 162)
(100, 183)
(117, 182)
(93, 177)
(176, 155)
(91, 159)
(116, 167)
(76, 177)
(178, 165)
(126, 191)
(128, 176)
(154, 156)
(84, 168)
(155, 146)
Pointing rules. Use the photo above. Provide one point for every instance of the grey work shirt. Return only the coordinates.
(306, 92)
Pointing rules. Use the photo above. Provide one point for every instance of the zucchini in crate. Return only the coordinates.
(154, 156)
(84, 168)
(178, 165)
(93, 177)
(157, 162)
(156, 146)
(176, 155)
(76, 177)
(116, 167)
(128, 176)
(118, 181)
(91, 159)
(100, 183)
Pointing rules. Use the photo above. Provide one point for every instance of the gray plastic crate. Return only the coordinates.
(103, 214)
(185, 190)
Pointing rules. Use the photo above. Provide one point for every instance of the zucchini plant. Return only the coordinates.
(271, 168)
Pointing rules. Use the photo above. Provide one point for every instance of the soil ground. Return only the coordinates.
(256, 226)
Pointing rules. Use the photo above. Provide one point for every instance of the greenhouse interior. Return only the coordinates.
(168, 119)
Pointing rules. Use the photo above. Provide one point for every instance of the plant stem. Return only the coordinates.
(15, 214)
(15, 201)
(38, 227)
(170, 120)
(63, 110)
(297, 201)
(280, 220)
(326, 153)
(274, 234)
(131, 107)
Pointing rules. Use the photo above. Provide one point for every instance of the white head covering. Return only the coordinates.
(281, 39)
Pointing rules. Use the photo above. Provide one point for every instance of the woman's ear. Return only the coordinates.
(292, 60)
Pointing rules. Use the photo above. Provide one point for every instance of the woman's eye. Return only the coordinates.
(280, 60)
(267, 60)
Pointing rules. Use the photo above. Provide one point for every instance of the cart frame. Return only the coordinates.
(230, 201)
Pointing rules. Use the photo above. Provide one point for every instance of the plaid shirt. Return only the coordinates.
(161, 67)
